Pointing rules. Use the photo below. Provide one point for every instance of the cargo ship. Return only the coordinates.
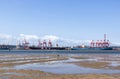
(48, 48)
(89, 48)
(7, 47)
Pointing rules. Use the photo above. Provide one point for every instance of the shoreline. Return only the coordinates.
(65, 51)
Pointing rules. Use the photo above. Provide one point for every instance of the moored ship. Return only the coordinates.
(7, 47)
(89, 48)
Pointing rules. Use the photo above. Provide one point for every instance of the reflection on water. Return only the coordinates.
(114, 64)
(63, 68)
(14, 73)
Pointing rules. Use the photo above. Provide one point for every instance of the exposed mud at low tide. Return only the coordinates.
(62, 66)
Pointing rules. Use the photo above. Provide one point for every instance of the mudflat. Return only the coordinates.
(95, 61)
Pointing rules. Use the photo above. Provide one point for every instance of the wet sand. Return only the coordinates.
(35, 74)
(102, 61)
(8, 61)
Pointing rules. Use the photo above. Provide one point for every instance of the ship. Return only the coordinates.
(89, 48)
(48, 48)
(7, 47)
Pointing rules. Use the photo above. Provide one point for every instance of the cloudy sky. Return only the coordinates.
(68, 20)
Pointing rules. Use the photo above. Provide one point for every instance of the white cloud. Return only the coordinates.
(115, 44)
(50, 37)
(28, 37)
(63, 41)
(72, 42)
(5, 36)
(54, 39)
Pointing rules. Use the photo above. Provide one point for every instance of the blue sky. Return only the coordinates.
(72, 19)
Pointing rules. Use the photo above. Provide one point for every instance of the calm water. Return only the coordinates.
(65, 68)
(59, 52)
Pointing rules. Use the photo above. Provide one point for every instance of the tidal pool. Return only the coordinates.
(60, 67)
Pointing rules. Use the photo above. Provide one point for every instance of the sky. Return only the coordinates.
(65, 19)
